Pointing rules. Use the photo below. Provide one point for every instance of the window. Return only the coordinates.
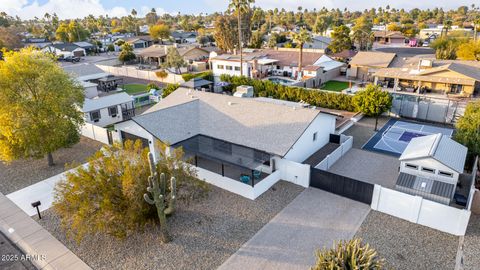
(95, 116)
(113, 111)
(315, 136)
(222, 146)
(237, 68)
(220, 66)
(229, 68)
(411, 166)
(446, 174)
(424, 169)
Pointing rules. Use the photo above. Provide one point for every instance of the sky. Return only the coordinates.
(67, 9)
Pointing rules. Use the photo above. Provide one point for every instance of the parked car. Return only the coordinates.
(72, 59)
(426, 44)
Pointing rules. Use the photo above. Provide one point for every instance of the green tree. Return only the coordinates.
(340, 39)
(160, 32)
(272, 40)
(38, 106)
(372, 101)
(362, 32)
(446, 48)
(257, 40)
(349, 255)
(469, 51)
(127, 53)
(240, 6)
(468, 128)
(225, 35)
(62, 32)
(301, 38)
(174, 60)
(107, 195)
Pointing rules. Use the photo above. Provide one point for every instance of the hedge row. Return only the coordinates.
(317, 98)
(207, 75)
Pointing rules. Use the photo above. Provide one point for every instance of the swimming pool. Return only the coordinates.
(281, 80)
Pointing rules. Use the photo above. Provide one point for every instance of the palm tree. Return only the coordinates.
(301, 38)
(240, 6)
(134, 14)
(447, 25)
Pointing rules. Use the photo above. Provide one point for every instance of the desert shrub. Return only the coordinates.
(348, 255)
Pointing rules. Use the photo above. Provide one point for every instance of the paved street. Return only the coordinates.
(314, 220)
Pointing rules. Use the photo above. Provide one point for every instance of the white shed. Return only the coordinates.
(435, 157)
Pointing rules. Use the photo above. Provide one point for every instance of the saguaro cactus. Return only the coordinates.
(158, 189)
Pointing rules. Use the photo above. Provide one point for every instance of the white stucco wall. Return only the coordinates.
(323, 125)
(105, 119)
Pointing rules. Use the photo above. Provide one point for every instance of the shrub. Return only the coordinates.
(317, 98)
(107, 195)
(169, 89)
(348, 255)
(152, 86)
(207, 75)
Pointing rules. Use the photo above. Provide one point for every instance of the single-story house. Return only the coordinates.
(198, 84)
(89, 47)
(455, 77)
(181, 37)
(364, 64)
(262, 63)
(235, 142)
(65, 50)
(140, 42)
(389, 37)
(157, 54)
(36, 42)
(107, 110)
(430, 167)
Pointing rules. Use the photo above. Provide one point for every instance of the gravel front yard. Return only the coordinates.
(23, 173)
(205, 233)
(471, 250)
(405, 245)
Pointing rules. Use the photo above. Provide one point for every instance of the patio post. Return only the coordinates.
(196, 161)
(223, 170)
(253, 179)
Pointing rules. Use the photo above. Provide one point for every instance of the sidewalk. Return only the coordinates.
(314, 220)
(41, 191)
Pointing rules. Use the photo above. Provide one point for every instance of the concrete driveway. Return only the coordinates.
(314, 220)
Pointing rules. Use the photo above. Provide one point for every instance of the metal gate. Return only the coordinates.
(341, 185)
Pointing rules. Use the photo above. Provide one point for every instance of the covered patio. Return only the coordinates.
(240, 163)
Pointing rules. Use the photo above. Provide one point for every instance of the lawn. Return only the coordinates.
(135, 88)
(336, 86)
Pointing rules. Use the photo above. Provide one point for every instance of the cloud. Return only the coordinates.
(65, 9)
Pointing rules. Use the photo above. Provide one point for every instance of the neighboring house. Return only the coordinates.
(237, 142)
(439, 30)
(157, 54)
(181, 37)
(107, 110)
(449, 77)
(262, 63)
(278, 30)
(323, 70)
(65, 50)
(140, 42)
(389, 37)
(364, 64)
(89, 47)
(318, 42)
(39, 43)
(430, 167)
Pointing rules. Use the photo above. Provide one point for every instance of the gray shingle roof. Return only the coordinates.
(269, 127)
(439, 147)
